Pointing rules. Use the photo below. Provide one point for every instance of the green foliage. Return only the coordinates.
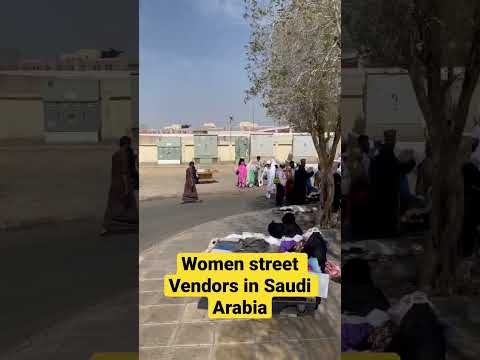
(392, 31)
(294, 64)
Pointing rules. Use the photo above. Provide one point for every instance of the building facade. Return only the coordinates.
(61, 106)
(225, 147)
(376, 99)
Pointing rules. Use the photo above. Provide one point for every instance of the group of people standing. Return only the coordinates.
(371, 185)
(251, 174)
(377, 190)
(288, 182)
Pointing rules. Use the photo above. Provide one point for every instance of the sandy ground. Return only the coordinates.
(53, 182)
(157, 181)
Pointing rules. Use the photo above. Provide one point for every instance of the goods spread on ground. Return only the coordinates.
(284, 237)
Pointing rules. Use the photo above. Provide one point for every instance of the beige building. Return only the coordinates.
(67, 106)
(209, 125)
(376, 99)
(33, 64)
(248, 126)
(173, 127)
(228, 148)
(91, 60)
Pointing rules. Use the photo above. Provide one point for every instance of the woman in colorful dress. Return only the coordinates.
(242, 174)
(251, 169)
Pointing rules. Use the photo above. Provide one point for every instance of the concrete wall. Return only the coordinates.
(21, 119)
(148, 154)
(282, 151)
(116, 118)
(282, 148)
(352, 105)
(226, 153)
(188, 152)
(22, 112)
(350, 109)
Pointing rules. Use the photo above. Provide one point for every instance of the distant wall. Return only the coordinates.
(116, 118)
(226, 153)
(22, 107)
(188, 152)
(21, 118)
(148, 154)
(282, 151)
(282, 148)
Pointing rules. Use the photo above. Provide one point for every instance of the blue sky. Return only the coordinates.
(192, 61)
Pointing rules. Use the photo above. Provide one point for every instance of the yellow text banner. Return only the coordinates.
(241, 285)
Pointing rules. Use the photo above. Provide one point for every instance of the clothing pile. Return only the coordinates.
(286, 236)
(254, 242)
(314, 196)
(369, 322)
(297, 209)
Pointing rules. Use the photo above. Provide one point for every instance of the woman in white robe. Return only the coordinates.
(270, 176)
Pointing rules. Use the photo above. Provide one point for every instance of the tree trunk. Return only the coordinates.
(326, 156)
(441, 246)
(327, 192)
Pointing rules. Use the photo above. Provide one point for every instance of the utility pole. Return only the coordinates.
(230, 119)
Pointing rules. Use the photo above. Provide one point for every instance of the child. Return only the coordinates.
(242, 174)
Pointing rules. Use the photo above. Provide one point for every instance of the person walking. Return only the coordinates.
(121, 214)
(190, 194)
(133, 165)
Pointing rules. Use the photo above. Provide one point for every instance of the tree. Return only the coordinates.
(294, 65)
(431, 39)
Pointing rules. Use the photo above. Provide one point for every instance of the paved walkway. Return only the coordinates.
(106, 327)
(53, 275)
(173, 328)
